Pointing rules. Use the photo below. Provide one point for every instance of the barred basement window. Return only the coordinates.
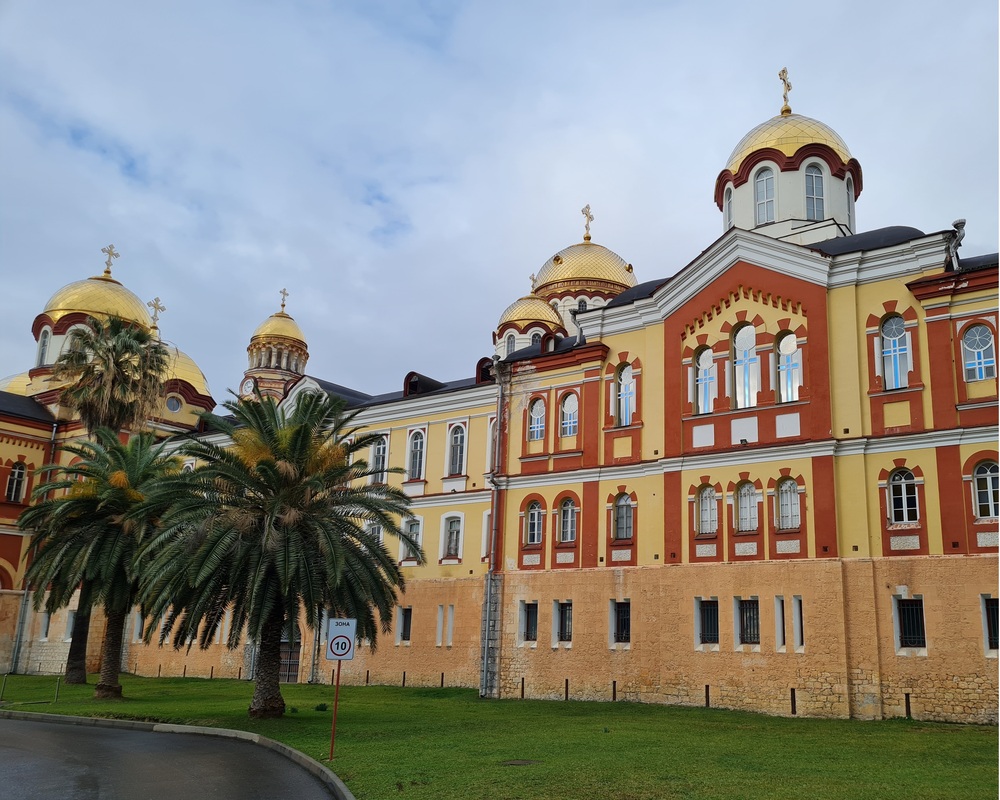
(531, 622)
(911, 622)
(749, 621)
(990, 606)
(623, 621)
(564, 626)
(405, 622)
(708, 611)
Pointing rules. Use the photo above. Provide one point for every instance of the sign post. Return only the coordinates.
(340, 636)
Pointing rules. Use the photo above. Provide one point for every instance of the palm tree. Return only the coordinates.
(91, 534)
(115, 370)
(280, 525)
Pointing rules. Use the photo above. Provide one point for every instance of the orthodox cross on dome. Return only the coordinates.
(284, 297)
(157, 307)
(589, 218)
(111, 253)
(786, 88)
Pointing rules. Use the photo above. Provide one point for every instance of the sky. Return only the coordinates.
(402, 168)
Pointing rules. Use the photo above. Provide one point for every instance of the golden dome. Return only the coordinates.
(16, 384)
(280, 324)
(584, 266)
(183, 368)
(787, 133)
(530, 308)
(100, 296)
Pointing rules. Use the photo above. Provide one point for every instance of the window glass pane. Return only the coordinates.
(746, 367)
(979, 353)
(569, 415)
(895, 354)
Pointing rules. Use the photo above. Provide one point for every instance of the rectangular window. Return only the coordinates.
(405, 621)
(911, 622)
(708, 617)
(564, 622)
(440, 625)
(454, 538)
(44, 622)
(413, 531)
(451, 625)
(622, 621)
(530, 622)
(779, 623)
(70, 619)
(798, 630)
(748, 617)
(990, 612)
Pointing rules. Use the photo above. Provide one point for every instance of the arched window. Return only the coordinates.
(533, 524)
(708, 512)
(43, 347)
(746, 367)
(727, 206)
(491, 442)
(456, 452)
(789, 361)
(895, 353)
(536, 338)
(581, 305)
(850, 203)
(746, 507)
(15, 483)
(814, 192)
(986, 479)
(623, 517)
(763, 185)
(379, 450)
(902, 497)
(510, 344)
(569, 415)
(453, 538)
(567, 521)
(416, 459)
(705, 390)
(536, 421)
(625, 396)
(979, 354)
(788, 505)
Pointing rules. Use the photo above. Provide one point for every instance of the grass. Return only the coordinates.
(448, 743)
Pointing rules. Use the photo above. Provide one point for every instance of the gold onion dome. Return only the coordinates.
(183, 368)
(787, 133)
(100, 296)
(281, 325)
(530, 308)
(584, 266)
(16, 384)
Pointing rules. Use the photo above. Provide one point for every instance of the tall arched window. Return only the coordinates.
(533, 524)
(536, 338)
(456, 451)
(625, 396)
(727, 205)
(788, 505)
(708, 512)
(569, 415)
(746, 507)
(536, 420)
(43, 347)
(379, 450)
(895, 353)
(849, 183)
(746, 367)
(623, 517)
(987, 487)
(979, 354)
(763, 185)
(567, 521)
(453, 538)
(814, 193)
(902, 498)
(15, 483)
(705, 390)
(510, 344)
(789, 361)
(416, 459)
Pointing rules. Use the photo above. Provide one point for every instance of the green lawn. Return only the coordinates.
(448, 743)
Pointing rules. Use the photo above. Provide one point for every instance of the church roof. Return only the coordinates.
(869, 240)
(15, 405)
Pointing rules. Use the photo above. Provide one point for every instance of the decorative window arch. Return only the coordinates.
(533, 523)
(789, 361)
(380, 449)
(979, 353)
(452, 539)
(901, 496)
(415, 459)
(569, 414)
(624, 395)
(986, 490)
(706, 387)
(15, 482)
(624, 522)
(567, 520)
(787, 505)
(746, 367)
(43, 347)
(727, 206)
(894, 344)
(456, 450)
(763, 185)
(510, 344)
(814, 193)
(708, 512)
(536, 338)
(536, 420)
(747, 518)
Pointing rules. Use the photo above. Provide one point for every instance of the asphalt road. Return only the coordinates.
(52, 761)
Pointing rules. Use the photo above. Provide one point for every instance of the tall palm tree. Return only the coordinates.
(280, 525)
(91, 533)
(115, 370)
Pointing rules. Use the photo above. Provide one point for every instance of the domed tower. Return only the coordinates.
(277, 355)
(792, 178)
(526, 322)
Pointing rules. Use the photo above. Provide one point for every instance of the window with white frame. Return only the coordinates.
(533, 524)
(789, 362)
(746, 507)
(894, 343)
(536, 420)
(787, 502)
(623, 517)
(510, 344)
(415, 460)
(746, 367)
(456, 450)
(567, 520)
(411, 552)
(708, 511)
(727, 205)
(569, 415)
(45, 622)
(979, 354)
(536, 339)
(849, 184)
(625, 395)
(705, 389)
(763, 185)
(453, 538)
(43, 347)
(15, 483)
(379, 454)
(902, 497)
(814, 192)
(986, 488)
(491, 439)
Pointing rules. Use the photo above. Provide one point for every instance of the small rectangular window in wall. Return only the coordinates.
(990, 621)
(440, 625)
(708, 621)
(530, 625)
(748, 620)
(911, 622)
(451, 625)
(564, 622)
(405, 622)
(779, 623)
(43, 626)
(621, 621)
(70, 619)
(798, 627)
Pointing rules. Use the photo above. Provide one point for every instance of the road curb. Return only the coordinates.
(325, 775)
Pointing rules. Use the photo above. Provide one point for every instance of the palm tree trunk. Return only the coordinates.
(267, 701)
(76, 660)
(111, 660)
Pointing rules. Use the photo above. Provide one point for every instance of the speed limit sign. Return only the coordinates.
(340, 635)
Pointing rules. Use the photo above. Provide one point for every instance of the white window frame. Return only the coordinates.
(404, 551)
(380, 460)
(533, 517)
(536, 420)
(16, 482)
(986, 481)
(979, 364)
(445, 531)
(623, 519)
(412, 437)
(569, 419)
(747, 516)
(764, 182)
(787, 506)
(706, 380)
(745, 370)
(727, 208)
(895, 354)
(814, 193)
(509, 344)
(625, 389)
(905, 488)
(707, 502)
(788, 368)
(459, 443)
(568, 511)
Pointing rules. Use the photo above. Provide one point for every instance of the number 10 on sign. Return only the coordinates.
(340, 635)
